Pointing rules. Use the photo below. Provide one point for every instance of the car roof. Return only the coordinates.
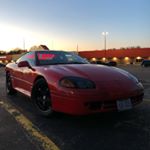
(146, 60)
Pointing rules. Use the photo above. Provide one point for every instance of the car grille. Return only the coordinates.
(93, 105)
(110, 105)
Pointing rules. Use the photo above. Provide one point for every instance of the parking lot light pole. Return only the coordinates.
(105, 42)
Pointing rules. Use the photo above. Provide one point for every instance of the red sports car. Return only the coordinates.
(59, 81)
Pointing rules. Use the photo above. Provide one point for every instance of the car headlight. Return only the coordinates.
(76, 82)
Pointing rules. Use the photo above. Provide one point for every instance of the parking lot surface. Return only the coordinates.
(128, 130)
(12, 136)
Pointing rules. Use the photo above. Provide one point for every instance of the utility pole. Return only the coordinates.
(77, 49)
(105, 42)
(23, 44)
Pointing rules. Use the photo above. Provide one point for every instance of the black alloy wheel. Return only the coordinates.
(41, 97)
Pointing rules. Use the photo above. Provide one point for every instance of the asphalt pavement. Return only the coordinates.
(16, 130)
(129, 130)
(12, 135)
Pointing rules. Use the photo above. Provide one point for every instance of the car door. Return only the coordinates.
(17, 74)
(29, 73)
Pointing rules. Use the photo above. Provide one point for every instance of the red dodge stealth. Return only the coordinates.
(59, 81)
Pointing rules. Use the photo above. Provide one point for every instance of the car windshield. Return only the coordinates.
(58, 57)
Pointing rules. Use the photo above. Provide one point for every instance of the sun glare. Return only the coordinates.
(12, 37)
(9, 37)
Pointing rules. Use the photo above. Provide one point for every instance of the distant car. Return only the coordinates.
(145, 63)
(99, 62)
(112, 63)
(2, 65)
(64, 82)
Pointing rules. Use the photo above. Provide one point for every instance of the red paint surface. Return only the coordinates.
(108, 81)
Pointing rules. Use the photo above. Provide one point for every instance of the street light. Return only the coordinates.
(105, 34)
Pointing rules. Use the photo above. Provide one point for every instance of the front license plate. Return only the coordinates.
(124, 104)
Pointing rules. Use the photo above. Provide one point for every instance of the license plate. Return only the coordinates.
(124, 105)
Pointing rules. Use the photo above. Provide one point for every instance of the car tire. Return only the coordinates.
(41, 98)
(9, 88)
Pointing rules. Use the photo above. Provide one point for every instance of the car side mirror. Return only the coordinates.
(24, 64)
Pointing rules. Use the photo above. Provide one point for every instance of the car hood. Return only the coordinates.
(110, 81)
(90, 71)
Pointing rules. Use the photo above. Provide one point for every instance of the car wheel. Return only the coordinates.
(9, 88)
(41, 97)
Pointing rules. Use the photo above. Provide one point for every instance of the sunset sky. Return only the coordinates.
(62, 24)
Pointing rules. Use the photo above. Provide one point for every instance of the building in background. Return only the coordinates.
(5, 59)
(122, 56)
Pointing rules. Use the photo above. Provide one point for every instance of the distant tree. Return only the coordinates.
(113, 48)
(15, 51)
(2, 52)
(40, 47)
(123, 48)
(33, 48)
(138, 47)
(132, 47)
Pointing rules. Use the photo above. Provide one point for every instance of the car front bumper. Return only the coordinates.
(89, 103)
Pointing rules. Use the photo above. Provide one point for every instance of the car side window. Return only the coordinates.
(22, 58)
(30, 57)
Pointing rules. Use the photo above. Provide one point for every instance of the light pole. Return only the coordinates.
(105, 34)
(24, 44)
